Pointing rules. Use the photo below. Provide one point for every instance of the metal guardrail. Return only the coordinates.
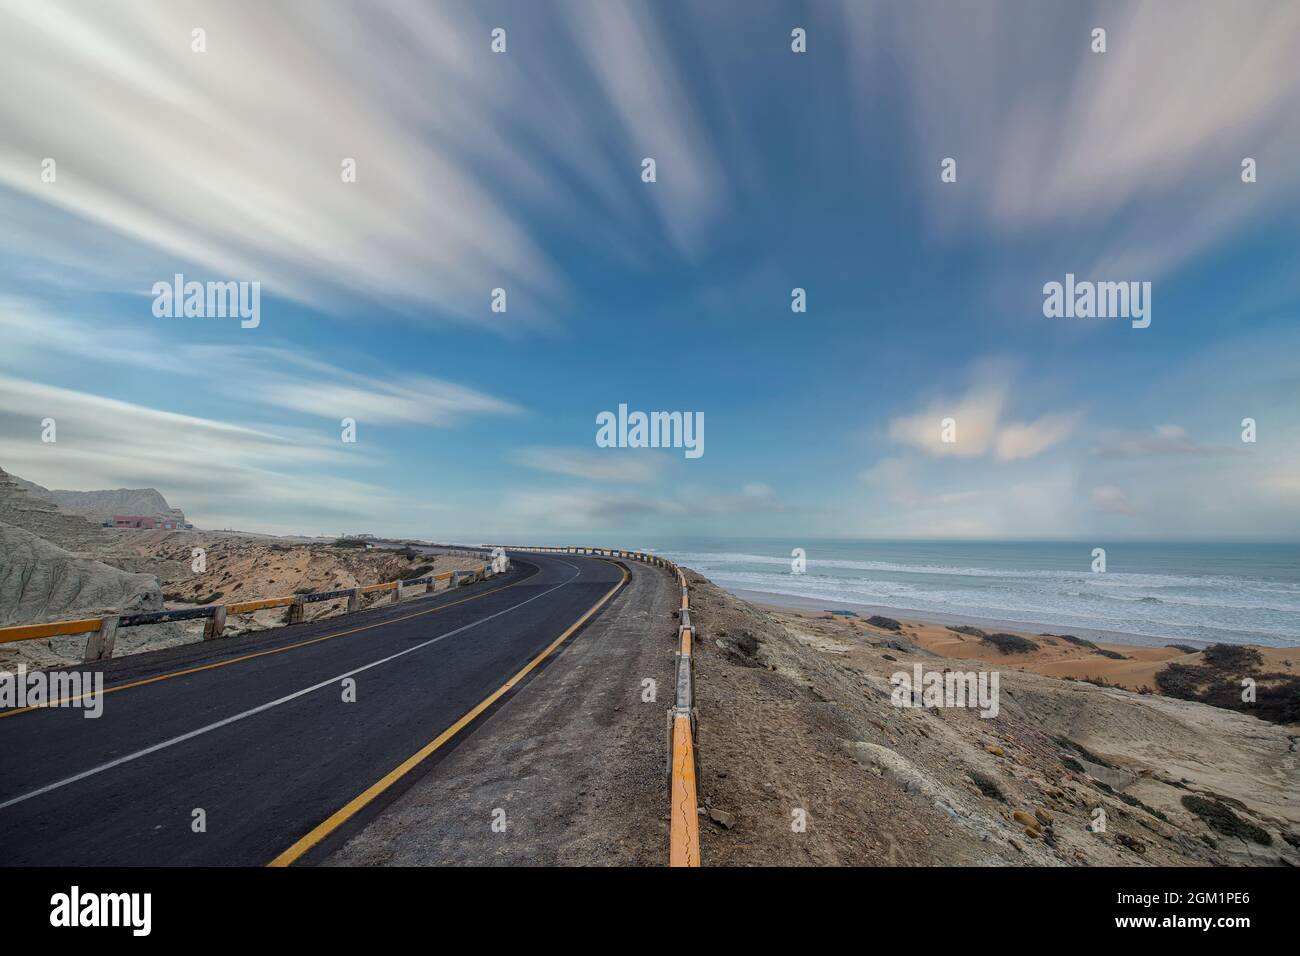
(166, 617)
(684, 825)
(103, 630)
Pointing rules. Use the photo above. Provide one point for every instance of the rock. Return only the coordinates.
(722, 818)
(1043, 816)
(996, 751)
(40, 581)
(1033, 833)
(1133, 843)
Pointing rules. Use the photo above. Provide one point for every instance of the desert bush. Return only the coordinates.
(1232, 657)
(1009, 643)
(1182, 681)
(1219, 816)
(1077, 641)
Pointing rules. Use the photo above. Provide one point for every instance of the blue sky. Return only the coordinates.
(775, 170)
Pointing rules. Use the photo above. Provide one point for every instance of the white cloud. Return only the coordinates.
(975, 416)
(978, 426)
(1033, 438)
(1109, 499)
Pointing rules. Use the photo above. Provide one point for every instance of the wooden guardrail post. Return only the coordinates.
(354, 600)
(99, 647)
(214, 626)
(295, 611)
(397, 594)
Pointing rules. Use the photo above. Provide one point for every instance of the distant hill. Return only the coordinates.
(102, 505)
(49, 568)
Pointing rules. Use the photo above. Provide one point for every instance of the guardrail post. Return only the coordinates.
(397, 594)
(99, 647)
(215, 624)
(295, 611)
(354, 600)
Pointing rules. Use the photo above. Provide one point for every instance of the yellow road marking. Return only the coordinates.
(249, 657)
(357, 803)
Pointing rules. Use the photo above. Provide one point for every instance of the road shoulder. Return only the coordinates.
(575, 759)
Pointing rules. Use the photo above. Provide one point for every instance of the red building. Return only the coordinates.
(145, 521)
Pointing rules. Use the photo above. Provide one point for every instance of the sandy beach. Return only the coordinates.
(1134, 669)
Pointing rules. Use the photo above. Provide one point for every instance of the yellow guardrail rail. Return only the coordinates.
(247, 607)
(31, 632)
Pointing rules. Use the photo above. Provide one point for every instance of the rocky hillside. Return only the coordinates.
(50, 570)
(804, 759)
(40, 581)
(102, 505)
(45, 519)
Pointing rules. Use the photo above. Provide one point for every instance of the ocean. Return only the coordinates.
(1150, 593)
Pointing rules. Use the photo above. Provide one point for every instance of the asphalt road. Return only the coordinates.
(264, 744)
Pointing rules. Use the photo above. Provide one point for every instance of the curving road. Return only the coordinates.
(255, 732)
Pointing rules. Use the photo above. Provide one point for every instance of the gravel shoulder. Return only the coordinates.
(574, 757)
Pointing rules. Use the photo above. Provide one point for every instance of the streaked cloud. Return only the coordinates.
(609, 465)
(228, 162)
(1162, 440)
(1104, 150)
(275, 376)
(222, 474)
